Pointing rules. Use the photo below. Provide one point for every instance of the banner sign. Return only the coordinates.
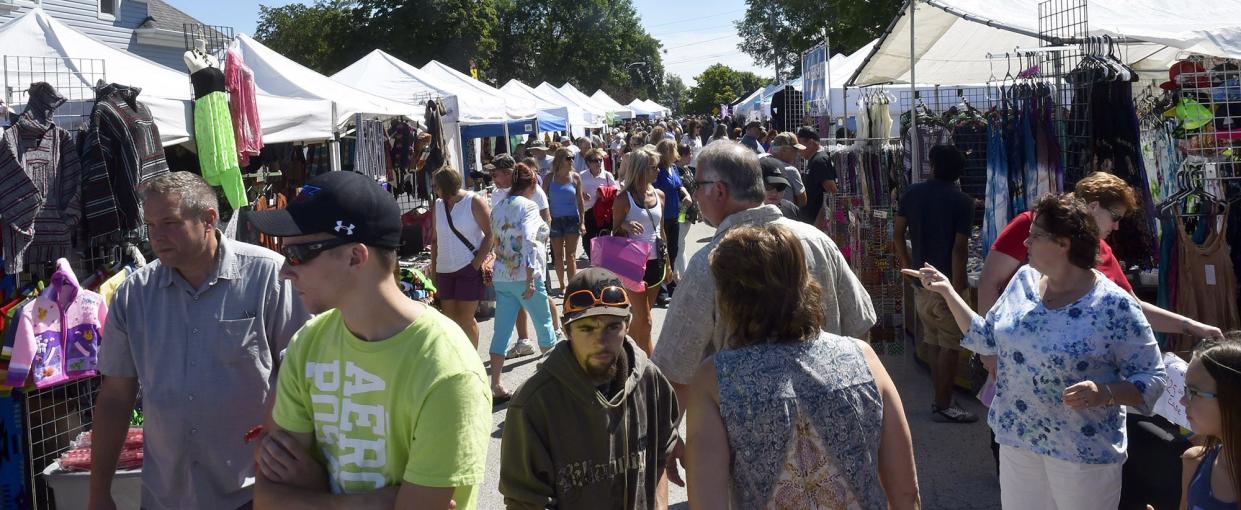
(814, 74)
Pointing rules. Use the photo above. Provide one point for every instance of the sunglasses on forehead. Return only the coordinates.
(584, 299)
(298, 254)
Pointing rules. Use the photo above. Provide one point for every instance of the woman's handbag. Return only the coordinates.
(621, 255)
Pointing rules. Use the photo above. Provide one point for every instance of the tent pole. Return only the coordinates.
(508, 140)
(334, 145)
(915, 140)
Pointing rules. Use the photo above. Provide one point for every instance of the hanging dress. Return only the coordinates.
(213, 135)
(1206, 280)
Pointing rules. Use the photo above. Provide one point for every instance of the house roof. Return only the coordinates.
(167, 17)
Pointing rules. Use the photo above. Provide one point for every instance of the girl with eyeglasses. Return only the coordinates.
(1213, 405)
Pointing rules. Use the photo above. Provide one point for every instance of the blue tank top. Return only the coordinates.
(803, 411)
(563, 198)
(1200, 497)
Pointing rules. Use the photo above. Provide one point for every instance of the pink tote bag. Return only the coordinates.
(621, 255)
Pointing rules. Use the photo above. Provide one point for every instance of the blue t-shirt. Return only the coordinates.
(669, 181)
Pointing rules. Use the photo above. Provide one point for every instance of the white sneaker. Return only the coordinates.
(523, 347)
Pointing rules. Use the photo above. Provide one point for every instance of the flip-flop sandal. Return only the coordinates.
(501, 397)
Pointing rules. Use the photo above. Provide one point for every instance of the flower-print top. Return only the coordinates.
(1101, 337)
(803, 422)
(521, 239)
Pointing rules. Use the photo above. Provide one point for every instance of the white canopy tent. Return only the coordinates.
(569, 90)
(555, 105)
(641, 108)
(387, 76)
(953, 37)
(614, 107)
(514, 107)
(595, 116)
(663, 110)
(277, 75)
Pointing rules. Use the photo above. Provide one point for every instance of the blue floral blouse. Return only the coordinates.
(1101, 337)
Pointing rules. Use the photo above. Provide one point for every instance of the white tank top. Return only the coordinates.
(451, 255)
(651, 220)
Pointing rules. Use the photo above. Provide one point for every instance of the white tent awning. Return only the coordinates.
(594, 115)
(277, 75)
(953, 37)
(514, 107)
(614, 107)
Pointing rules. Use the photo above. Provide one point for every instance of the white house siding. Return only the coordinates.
(83, 16)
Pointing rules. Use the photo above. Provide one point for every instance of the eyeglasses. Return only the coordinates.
(584, 299)
(1115, 215)
(593, 160)
(298, 254)
(1197, 393)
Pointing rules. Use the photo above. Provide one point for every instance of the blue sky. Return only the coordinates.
(695, 33)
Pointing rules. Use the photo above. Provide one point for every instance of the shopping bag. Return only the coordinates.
(623, 256)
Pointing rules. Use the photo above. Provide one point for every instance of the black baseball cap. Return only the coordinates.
(773, 171)
(348, 205)
(594, 279)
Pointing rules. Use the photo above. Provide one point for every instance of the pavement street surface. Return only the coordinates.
(955, 468)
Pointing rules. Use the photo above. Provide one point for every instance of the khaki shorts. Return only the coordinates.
(938, 326)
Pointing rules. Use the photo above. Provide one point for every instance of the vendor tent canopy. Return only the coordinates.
(614, 107)
(953, 37)
(515, 107)
(573, 115)
(520, 113)
(663, 110)
(645, 109)
(569, 90)
(594, 115)
(277, 75)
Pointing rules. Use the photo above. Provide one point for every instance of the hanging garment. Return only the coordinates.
(40, 182)
(403, 136)
(437, 152)
(369, 152)
(122, 150)
(213, 136)
(996, 204)
(881, 120)
(242, 99)
(1206, 279)
(58, 334)
(270, 202)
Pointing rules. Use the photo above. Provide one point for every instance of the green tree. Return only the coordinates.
(673, 93)
(418, 31)
(313, 35)
(775, 32)
(590, 43)
(720, 84)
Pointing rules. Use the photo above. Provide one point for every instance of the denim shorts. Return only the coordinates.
(565, 226)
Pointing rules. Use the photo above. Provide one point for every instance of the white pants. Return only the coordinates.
(1029, 481)
(682, 260)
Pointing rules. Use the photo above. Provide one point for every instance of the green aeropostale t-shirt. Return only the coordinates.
(414, 408)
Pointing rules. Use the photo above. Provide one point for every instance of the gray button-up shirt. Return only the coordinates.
(693, 330)
(204, 360)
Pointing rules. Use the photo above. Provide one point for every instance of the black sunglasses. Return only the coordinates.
(593, 160)
(298, 254)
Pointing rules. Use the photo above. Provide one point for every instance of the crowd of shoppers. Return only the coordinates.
(380, 401)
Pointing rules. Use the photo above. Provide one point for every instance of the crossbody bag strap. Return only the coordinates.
(448, 214)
